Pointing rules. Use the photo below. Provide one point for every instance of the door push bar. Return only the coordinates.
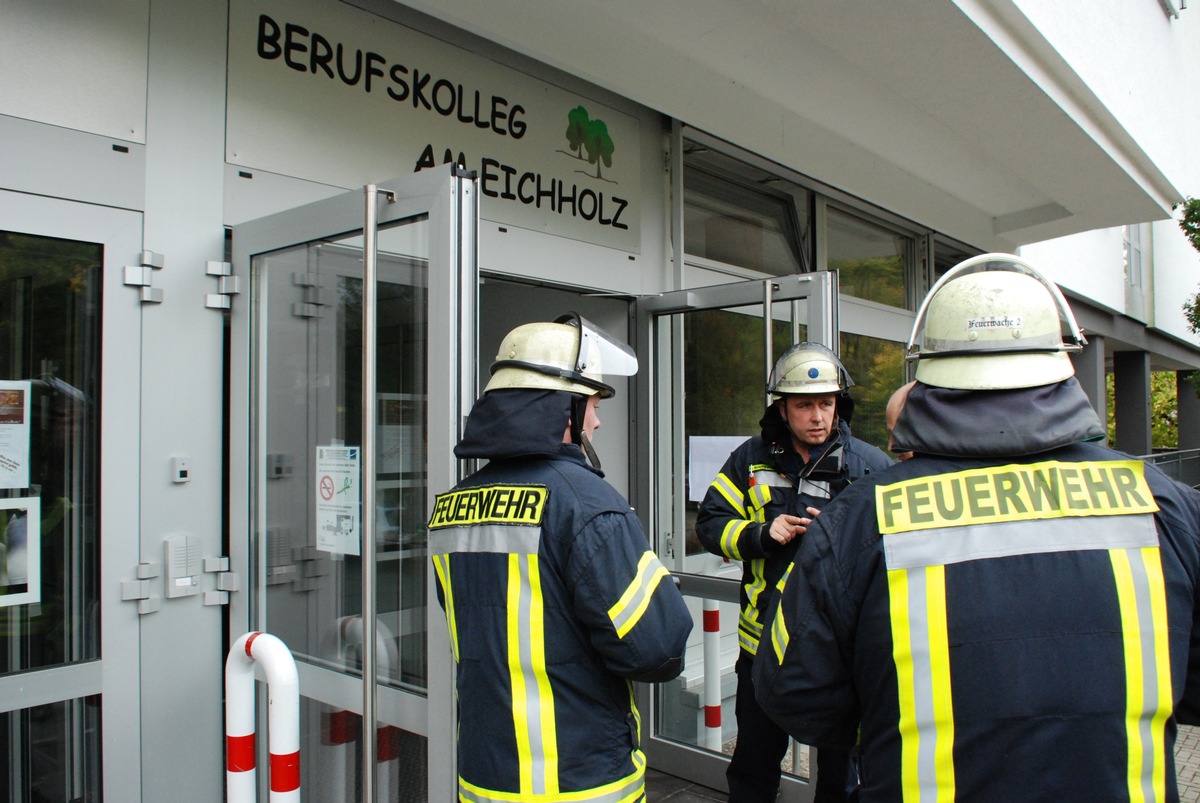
(283, 725)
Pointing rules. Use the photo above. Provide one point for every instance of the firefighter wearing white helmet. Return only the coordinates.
(548, 582)
(1013, 595)
(756, 511)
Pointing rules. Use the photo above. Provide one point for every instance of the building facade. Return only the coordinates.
(214, 214)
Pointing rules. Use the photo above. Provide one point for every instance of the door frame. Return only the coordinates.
(116, 676)
(449, 197)
(660, 466)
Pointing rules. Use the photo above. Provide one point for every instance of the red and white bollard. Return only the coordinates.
(712, 674)
(283, 719)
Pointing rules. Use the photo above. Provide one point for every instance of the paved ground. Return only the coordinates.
(662, 787)
(1187, 764)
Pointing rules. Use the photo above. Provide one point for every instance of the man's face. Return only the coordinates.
(810, 418)
(591, 418)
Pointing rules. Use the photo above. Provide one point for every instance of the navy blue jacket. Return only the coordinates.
(758, 482)
(555, 603)
(1009, 615)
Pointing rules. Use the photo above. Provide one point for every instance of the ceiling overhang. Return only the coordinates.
(970, 125)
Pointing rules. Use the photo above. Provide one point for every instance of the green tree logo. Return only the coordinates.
(590, 137)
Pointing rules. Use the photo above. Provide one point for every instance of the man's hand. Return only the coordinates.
(786, 526)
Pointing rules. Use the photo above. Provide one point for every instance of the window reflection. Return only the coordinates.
(50, 358)
(871, 261)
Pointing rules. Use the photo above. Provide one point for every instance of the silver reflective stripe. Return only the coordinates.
(523, 642)
(948, 545)
(773, 478)
(818, 489)
(923, 694)
(510, 539)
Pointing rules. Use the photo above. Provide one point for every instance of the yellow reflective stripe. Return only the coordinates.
(441, 565)
(637, 717)
(779, 635)
(939, 673)
(629, 789)
(758, 585)
(921, 652)
(733, 495)
(729, 537)
(532, 699)
(1141, 595)
(760, 497)
(629, 608)
(910, 736)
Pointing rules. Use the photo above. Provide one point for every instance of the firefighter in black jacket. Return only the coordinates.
(756, 510)
(554, 600)
(1011, 613)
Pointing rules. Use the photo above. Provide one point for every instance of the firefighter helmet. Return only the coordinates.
(993, 322)
(807, 369)
(569, 354)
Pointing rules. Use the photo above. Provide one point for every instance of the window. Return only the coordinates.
(872, 262)
(736, 214)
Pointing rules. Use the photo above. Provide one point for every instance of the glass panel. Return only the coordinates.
(330, 747)
(729, 222)
(725, 398)
(871, 261)
(307, 410)
(49, 441)
(877, 368)
(945, 257)
(51, 752)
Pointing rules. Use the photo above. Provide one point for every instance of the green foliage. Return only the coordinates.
(1189, 222)
(1164, 410)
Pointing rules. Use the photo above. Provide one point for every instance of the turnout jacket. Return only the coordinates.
(555, 604)
(764, 478)
(1009, 615)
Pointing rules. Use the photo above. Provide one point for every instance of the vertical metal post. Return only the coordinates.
(367, 547)
(768, 331)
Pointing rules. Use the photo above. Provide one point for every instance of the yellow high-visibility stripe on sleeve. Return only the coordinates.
(629, 608)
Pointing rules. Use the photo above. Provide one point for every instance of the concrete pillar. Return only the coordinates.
(1131, 378)
(1089, 370)
(1187, 384)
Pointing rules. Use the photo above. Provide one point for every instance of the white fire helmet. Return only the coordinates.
(807, 369)
(569, 354)
(993, 322)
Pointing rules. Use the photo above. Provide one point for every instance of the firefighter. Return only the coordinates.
(756, 511)
(554, 601)
(1009, 614)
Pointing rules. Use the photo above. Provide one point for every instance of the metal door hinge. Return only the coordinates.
(227, 581)
(142, 276)
(228, 285)
(139, 590)
(312, 295)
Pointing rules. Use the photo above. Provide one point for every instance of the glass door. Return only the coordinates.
(707, 354)
(69, 382)
(333, 520)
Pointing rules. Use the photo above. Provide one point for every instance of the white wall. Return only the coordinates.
(1089, 264)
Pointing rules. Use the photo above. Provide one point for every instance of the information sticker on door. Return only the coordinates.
(338, 496)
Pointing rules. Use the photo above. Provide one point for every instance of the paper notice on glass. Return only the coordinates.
(20, 551)
(338, 496)
(14, 434)
(706, 455)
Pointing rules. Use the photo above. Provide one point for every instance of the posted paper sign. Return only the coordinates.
(14, 434)
(20, 551)
(338, 497)
(706, 455)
